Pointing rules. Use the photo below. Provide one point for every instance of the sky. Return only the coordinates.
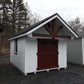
(67, 9)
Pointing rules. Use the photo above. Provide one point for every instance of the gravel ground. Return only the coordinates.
(72, 75)
(4, 59)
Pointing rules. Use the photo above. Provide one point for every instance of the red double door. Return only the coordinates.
(47, 54)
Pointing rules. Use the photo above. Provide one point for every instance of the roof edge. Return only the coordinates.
(46, 21)
(17, 36)
(54, 16)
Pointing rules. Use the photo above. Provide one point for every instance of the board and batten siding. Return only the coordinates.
(31, 60)
(62, 57)
(31, 55)
(83, 49)
(75, 51)
(18, 59)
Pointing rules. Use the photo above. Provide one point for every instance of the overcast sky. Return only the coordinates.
(67, 9)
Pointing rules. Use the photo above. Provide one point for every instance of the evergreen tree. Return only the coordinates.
(19, 16)
(14, 16)
(3, 20)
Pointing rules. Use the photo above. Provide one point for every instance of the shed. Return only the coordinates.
(76, 51)
(42, 46)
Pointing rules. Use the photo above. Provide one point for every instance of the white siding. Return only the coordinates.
(62, 57)
(83, 49)
(26, 60)
(75, 51)
(31, 55)
(19, 59)
(11, 51)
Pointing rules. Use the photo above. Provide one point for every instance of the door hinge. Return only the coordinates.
(36, 68)
(37, 54)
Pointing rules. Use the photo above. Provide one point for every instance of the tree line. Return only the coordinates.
(15, 15)
(77, 26)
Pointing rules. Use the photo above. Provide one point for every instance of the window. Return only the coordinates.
(16, 46)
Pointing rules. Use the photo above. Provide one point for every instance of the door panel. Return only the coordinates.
(47, 53)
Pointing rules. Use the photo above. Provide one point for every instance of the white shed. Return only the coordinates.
(42, 46)
(76, 51)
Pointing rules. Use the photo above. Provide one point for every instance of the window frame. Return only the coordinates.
(16, 46)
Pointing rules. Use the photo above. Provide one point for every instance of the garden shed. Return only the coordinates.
(76, 51)
(42, 46)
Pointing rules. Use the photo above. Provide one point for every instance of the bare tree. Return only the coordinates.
(14, 15)
(35, 18)
(77, 26)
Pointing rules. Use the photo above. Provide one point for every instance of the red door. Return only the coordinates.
(47, 54)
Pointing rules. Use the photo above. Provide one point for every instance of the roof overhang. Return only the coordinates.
(45, 22)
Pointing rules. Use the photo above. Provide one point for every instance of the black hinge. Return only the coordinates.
(58, 53)
(36, 68)
(37, 54)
